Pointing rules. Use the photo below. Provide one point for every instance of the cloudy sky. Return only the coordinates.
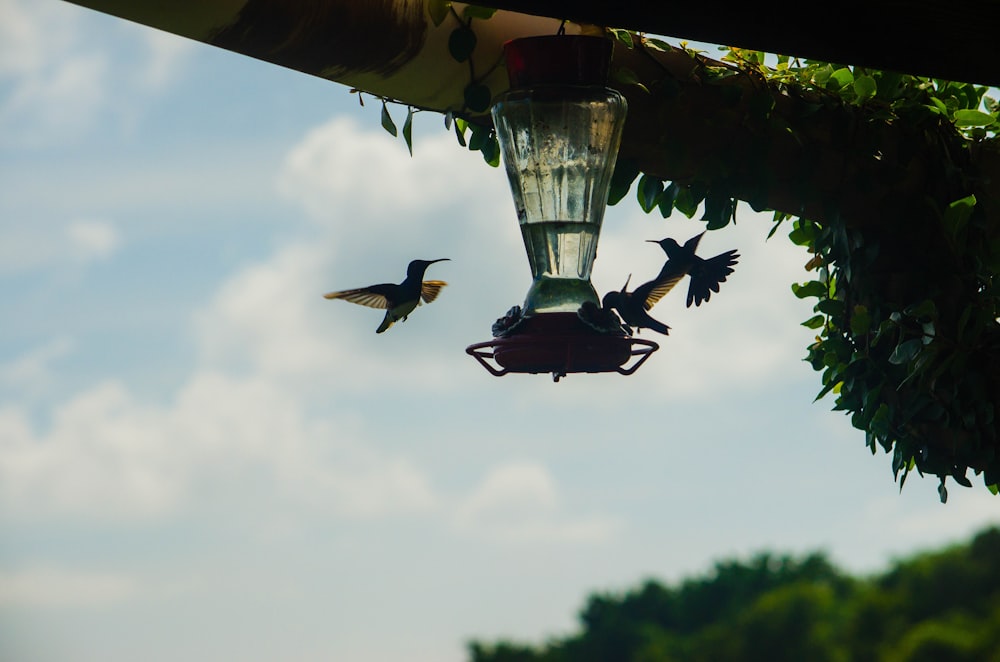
(203, 459)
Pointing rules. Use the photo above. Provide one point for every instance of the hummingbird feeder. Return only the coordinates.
(559, 127)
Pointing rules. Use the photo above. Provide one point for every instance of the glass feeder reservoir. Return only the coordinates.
(559, 130)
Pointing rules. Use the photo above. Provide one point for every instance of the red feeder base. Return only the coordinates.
(560, 343)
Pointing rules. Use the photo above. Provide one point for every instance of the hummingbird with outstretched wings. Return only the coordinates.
(398, 300)
(706, 274)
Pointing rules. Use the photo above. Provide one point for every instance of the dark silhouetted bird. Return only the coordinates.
(706, 275)
(632, 306)
(398, 301)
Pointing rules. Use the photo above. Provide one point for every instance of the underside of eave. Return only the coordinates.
(953, 40)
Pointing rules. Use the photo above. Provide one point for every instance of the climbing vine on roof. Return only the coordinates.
(906, 315)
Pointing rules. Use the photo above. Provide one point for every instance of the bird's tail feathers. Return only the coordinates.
(387, 321)
(658, 326)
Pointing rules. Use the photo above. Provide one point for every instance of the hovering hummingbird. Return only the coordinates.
(706, 275)
(632, 306)
(397, 300)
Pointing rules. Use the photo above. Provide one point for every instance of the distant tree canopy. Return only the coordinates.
(940, 606)
(890, 180)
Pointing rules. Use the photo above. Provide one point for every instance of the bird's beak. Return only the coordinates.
(653, 241)
(440, 259)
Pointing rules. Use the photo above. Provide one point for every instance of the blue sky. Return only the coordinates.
(203, 459)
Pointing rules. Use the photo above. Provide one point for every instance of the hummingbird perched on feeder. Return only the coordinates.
(398, 301)
(632, 306)
(706, 275)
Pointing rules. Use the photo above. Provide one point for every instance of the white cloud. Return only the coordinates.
(55, 102)
(27, 31)
(913, 524)
(27, 247)
(92, 239)
(266, 316)
(60, 67)
(107, 455)
(32, 371)
(56, 85)
(168, 55)
(48, 587)
(519, 502)
(363, 182)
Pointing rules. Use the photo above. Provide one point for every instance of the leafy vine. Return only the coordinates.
(906, 312)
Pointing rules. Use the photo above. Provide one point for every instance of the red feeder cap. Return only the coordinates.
(558, 60)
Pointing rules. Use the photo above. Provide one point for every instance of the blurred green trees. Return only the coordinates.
(940, 606)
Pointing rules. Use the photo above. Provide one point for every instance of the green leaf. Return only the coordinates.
(905, 351)
(461, 43)
(657, 44)
(880, 421)
(387, 122)
(889, 84)
(966, 118)
(822, 75)
(865, 88)
(648, 192)
(491, 151)
(831, 307)
(897, 460)
(626, 170)
(803, 233)
(813, 288)
(408, 130)
(624, 36)
(826, 389)
(960, 478)
(666, 203)
(840, 78)
(861, 320)
(814, 322)
(957, 215)
(718, 210)
(478, 97)
(480, 136)
(685, 201)
(626, 76)
(460, 126)
(943, 491)
(774, 227)
(991, 475)
(438, 10)
(939, 106)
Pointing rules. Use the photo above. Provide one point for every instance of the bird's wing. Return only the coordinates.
(373, 297)
(707, 275)
(430, 289)
(651, 292)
